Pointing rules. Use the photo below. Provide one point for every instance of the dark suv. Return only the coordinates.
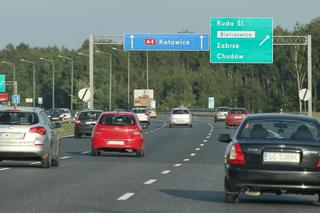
(85, 122)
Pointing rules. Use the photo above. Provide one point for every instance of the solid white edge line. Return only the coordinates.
(34, 163)
(126, 196)
(193, 154)
(3, 169)
(186, 159)
(151, 181)
(65, 157)
(67, 136)
(178, 164)
(165, 172)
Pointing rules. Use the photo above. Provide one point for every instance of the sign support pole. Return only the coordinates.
(91, 52)
(310, 75)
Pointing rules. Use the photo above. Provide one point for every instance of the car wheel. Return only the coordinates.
(46, 161)
(231, 198)
(227, 127)
(76, 135)
(190, 125)
(140, 153)
(56, 161)
(94, 152)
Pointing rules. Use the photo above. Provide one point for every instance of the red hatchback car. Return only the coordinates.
(118, 132)
(235, 116)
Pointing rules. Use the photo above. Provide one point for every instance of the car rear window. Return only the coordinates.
(223, 109)
(280, 129)
(117, 120)
(139, 110)
(18, 118)
(238, 111)
(180, 111)
(89, 115)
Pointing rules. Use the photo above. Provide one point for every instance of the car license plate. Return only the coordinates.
(9, 135)
(238, 117)
(115, 142)
(281, 157)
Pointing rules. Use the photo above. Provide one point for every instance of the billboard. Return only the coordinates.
(142, 97)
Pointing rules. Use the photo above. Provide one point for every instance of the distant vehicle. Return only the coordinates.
(119, 110)
(85, 122)
(54, 115)
(180, 116)
(59, 114)
(118, 132)
(220, 113)
(152, 113)
(65, 113)
(273, 153)
(235, 116)
(26, 133)
(143, 116)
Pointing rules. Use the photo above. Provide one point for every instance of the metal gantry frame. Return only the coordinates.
(299, 41)
(277, 41)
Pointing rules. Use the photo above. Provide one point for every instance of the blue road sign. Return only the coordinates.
(16, 99)
(2, 83)
(241, 40)
(166, 42)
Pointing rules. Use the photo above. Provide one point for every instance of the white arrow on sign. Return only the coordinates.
(131, 40)
(201, 41)
(264, 40)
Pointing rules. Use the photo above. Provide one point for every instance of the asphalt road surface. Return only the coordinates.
(182, 171)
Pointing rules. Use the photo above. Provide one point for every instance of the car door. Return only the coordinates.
(53, 134)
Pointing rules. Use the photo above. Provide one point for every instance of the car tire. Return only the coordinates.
(190, 125)
(94, 152)
(56, 161)
(227, 127)
(231, 198)
(46, 161)
(140, 153)
(76, 135)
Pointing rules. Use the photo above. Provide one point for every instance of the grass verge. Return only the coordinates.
(66, 128)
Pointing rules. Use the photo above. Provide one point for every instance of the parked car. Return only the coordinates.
(235, 116)
(26, 133)
(85, 122)
(273, 153)
(118, 132)
(220, 113)
(180, 116)
(143, 116)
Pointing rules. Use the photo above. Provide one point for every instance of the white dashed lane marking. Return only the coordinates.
(177, 165)
(126, 196)
(151, 181)
(193, 154)
(197, 149)
(208, 137)
(65, 157)
(3, 169)
(186, 159)
(165, 172)
(85, 152)
(202, 144)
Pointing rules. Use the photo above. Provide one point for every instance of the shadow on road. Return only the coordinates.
(212, 196)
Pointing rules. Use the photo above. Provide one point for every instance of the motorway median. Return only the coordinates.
(66, 128)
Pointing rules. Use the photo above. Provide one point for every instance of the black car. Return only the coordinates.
(85, 122)
(273, 153)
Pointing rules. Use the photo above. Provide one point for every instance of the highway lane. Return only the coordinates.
(182, 171)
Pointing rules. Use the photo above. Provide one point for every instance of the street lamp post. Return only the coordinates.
(34, 79)
(110, 74)
(71, 90)
(52, 61)
(128, 74)
(83, 54)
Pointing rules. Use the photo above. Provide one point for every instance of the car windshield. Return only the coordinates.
(223, 109)
(18, 118)
(117, 120)
(90, 115)
(279, 129)
(180, 111)
(237, 111)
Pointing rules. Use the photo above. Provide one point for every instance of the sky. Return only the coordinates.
(68, 23)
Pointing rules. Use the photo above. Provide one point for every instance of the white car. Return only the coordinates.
(143, 116)
(180, 116)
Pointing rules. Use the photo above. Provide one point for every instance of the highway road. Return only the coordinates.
(182, 171)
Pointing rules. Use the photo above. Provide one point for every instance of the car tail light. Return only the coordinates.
(318, 164)
(78, 122)
(137, 132)
(39, 130)
(236, 155)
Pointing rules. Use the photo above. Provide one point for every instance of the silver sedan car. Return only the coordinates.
(26, 133)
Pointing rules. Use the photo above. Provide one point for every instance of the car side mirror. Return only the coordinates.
(225, 138)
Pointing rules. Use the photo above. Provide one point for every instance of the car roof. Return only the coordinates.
(20, 108)
(118, 113)
(95, 110)
(180, 108)
(261, 116)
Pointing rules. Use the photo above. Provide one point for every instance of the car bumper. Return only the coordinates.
(103, 143)
(23, 152)
(220, 117)
(233, 123)
(272, 181)
(84, 129)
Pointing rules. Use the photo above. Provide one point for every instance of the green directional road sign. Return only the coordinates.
(241, 40)
(2, 83)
